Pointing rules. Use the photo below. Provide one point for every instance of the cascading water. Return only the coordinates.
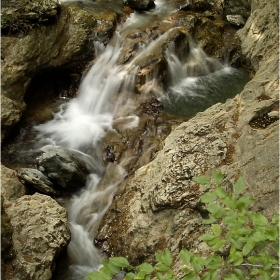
(105, 98)
(199, 82)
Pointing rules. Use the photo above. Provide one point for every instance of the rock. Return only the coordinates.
(140, 5)
(257, 42)
(63, 168)
(158, 207)
(186, 7)
(240, 7)
(11, 187)
(40, 234)
(237, 20)
(6, 234)
(38, 180)
(15, 13)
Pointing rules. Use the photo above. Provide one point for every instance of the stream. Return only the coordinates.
(106, 98)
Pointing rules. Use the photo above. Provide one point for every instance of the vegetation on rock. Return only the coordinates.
(242, 244)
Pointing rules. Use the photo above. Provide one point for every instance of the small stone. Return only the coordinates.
(236, 20)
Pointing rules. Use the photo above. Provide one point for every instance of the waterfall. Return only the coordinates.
(104, 98)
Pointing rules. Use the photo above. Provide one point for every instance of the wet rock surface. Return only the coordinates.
(38, 180)
(62, 167)
(40, 234)
(141, 5)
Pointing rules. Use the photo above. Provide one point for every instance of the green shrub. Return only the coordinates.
(243, 244)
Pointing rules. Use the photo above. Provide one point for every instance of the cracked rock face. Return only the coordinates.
(40, 234)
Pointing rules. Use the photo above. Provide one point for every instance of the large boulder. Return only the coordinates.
(40, 234)
(63, 167)
(159, 206)
(38, 180)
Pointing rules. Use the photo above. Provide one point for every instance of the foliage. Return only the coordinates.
(243, 244)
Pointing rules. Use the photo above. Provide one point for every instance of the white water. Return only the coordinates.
(84, 121)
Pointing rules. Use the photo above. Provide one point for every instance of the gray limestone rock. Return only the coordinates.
(63, 168)
(38, 180)
(40, 234)
(236, 20)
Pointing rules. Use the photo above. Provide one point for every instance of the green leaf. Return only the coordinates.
(159, 276)
(235, 242)
(208, 197)
(186, 270)
(213, 241)
(217, 177)
(140, 275)
(249, 246)
(220, 213)
(265, 276)
(104, 262)
(207, 237)
(255, 259)
(239, 185)
(185, 256)
(247, 200)
(221, 192)
(119, 261)
(96, 275)
(191, 276)
(243, 219)
(197, 262)
(213, 262)
(259, 236)
(213, 208)
(169, 274)
(230, 216)
(146, 267)
(230, 201)
(271, 235)
(259, 220)
(218, 245)
(130, 276)
(236, 258)
(214, 275)
(275, 219)
(231, 277)
(206, 276)
(239, 273)
(256, 271)
(105, 270)
(161, 267)
(113, 268)
(202, 180)
(166, 257)
(244, 230)
(216, 230)
(211, 220)
(233, 225)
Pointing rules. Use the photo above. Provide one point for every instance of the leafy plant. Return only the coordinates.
(243, 244)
